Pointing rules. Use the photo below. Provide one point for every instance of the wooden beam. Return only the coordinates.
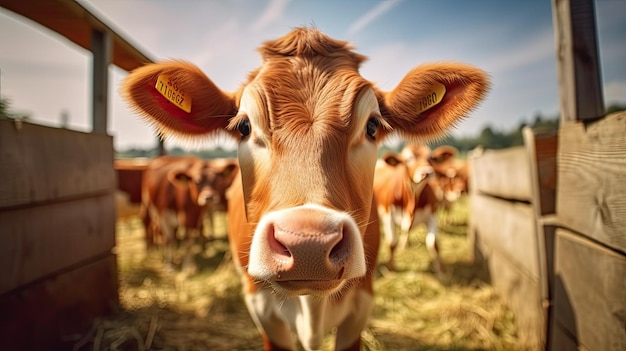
(75, 22)
(580, 86)
(101, 44)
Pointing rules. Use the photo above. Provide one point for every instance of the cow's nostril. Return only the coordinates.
(340, 250)
(276, 246)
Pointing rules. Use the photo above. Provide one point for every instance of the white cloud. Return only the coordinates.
(371, 15)
(533, 50)
(272, 12)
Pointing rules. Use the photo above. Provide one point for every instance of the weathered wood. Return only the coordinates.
(38, 241)
(509, 228)
(520, 291)
(40, 164)
(590, 292)
(47, 315)
(580, 86)
(503, 173)
(592, 179)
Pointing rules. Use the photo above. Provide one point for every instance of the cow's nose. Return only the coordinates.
(306, 244)
(308, 251)
(205, 197)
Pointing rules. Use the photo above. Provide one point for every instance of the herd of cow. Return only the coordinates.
(308, 195)
(181, 194)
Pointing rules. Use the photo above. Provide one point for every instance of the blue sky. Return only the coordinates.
(44, 75)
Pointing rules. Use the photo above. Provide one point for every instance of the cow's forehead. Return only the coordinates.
(296, 95)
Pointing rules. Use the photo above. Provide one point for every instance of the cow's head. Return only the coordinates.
(308, 127)
(416, 157)
(203, 182)
(450, 174)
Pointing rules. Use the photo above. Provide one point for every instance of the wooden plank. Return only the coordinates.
(590, 292)
(580, 86)
(521, 292)
(46, 315)
(41, 240)
(502, 173)
(542, 153)
(509, 228)
(102, 52)
(592, 179)
(40, 164)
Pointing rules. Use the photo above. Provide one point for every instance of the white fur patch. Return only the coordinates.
(310, 318)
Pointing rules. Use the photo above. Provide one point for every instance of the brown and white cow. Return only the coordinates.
(178, 192)
(451, 175)
(303, 227)
(406, 198)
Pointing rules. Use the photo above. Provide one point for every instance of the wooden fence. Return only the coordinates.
(588, 251)
(512, 206)
(549, 221)
(57, 220)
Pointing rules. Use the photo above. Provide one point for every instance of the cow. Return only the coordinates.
(227, 171)
(177, 193)
(451, 175)
(406, 198)
(303, 226)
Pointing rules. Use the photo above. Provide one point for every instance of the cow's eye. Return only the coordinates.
(244, 127)
(372, 127)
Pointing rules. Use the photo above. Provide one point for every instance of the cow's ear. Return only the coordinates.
(178, 99)
(432, 98)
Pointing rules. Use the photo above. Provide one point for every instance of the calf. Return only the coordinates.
(177, 192)
(303, 226)
(406, 198)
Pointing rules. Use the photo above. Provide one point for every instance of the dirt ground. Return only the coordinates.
(165, 309)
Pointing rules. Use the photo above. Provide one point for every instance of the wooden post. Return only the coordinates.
(101, 48)
(580, 86)
(161, 147)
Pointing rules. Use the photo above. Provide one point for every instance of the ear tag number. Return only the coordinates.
(172, 93)
(433, 97)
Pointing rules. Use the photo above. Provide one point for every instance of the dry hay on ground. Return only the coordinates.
(164, 310)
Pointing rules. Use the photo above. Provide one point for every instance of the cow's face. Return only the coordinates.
(307, 155)
(308, 126)
(416, 157)
(212, 178)
(203, 182)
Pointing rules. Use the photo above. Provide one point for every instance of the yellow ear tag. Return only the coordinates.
(172, 93)
(433, 97)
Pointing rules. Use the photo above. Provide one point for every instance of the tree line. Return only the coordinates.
(489, 137)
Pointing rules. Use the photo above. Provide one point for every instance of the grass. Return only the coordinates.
(164, 310)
